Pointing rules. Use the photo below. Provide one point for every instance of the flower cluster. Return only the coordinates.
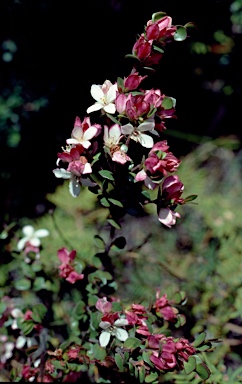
(124, 148)
(67, 268)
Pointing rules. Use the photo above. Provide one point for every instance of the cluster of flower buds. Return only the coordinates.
(123, 152)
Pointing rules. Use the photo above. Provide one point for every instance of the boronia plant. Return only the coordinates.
(117, 152)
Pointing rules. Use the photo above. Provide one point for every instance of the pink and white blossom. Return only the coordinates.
(105, 96)
(168, 217)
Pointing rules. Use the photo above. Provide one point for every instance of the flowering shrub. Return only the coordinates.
(122, 159)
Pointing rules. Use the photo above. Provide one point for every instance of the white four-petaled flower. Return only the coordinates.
(113, 330)
(105, 96)
(31, 236)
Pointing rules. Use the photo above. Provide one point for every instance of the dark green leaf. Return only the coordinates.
(99, 242)
(115, 202)
(98, 352)
(157, 16)
(106, 174)
(146, 359)
(203, 371)
(199, 340)
(119, 362)
(79, 309)
(111, 117)
(119, 242)
(151, 377)
(190, 198)
(132, 343)
(22, 284)
(190, 365)
(39, 311)
(114, 223)
(27, 327)
(141, 374)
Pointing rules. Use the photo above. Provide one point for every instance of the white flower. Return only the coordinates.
(80, 137)
(137, 135)
(104, 95)
(114, 330)
(75, 182)
(31, 236)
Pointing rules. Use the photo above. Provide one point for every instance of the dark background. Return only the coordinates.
(65, 47)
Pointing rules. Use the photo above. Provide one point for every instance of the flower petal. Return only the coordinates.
(121, 334)
(72, 141)
(97, 92)
(87, 168)
(21, 243)
(35, 241)
(90, 133)
(127, 129)
(62, 173)
(112, 92)
(94, 107)
(41, 233)
(146, 140)
(28, 230)
(104, 339)
(147, 125)
(121, 322)
(110, 108)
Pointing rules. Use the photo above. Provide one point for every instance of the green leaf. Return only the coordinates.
(3, 306)
(111, 117)
(27, 326)
(106, 174)
(39, 283)
(167, 103)
(104, 202)
(158, 49)
(96, 158)
(157, 16)
(199, 340)
(22, 284)
(190, 198)
(119, 242)
(99, 352)
(203, 371)
(181, 33)
(79, 309)
(99, 275)
(114, 223)
(190, 365)
(120, 83)
(130, 56)
(132, 343)
(115, 202)
(146, 359)
(119, 362)
(99, 242)
(151, 377)
(39, 311)
(141, 374)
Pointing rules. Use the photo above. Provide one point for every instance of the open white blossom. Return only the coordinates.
(104, 95)
(137, 134)
(31, 236)
(113, 330)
